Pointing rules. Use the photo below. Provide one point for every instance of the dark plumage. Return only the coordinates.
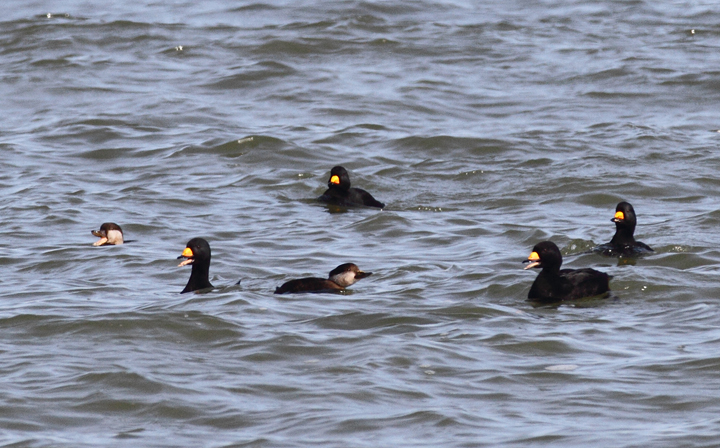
(340, 278)
(197, 253)
(109, 233)
(623, 243)
(340, 193)
(554, 284)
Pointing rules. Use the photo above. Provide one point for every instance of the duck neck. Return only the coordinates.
(547, 285)
(199, 278)
(550, 271)
(623, 236)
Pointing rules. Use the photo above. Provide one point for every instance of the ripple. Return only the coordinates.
(485, 132)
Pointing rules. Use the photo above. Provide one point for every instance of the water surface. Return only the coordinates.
(485, 128)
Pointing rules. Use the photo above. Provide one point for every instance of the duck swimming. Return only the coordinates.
(340, 193)
(340, 278)
(623, 243)
(109, 234)
(197, 253)
(554, 284)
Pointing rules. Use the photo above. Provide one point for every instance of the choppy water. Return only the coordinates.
(485, 128)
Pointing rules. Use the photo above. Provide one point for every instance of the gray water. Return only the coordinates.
(486, 128)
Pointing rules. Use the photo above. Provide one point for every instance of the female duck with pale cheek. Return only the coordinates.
(197, 253)
(554, 284)
(340, 278)
(109, 233)
(340, 193)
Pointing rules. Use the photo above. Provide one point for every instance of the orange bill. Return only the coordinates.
(188, 254)
(534, 260)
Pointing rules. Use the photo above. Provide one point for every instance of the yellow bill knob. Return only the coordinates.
(187, 253)
(335, 179)
(533, 259)
(619, 215)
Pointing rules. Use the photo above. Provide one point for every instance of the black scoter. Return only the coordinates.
(340, 193)
(623, 243)
(340, 278)
(109, 233)
(197, 253)
(554, 284)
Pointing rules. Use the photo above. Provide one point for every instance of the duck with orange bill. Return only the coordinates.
(623, 243)
(340, 193)
(554, 284)
(197, 254)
